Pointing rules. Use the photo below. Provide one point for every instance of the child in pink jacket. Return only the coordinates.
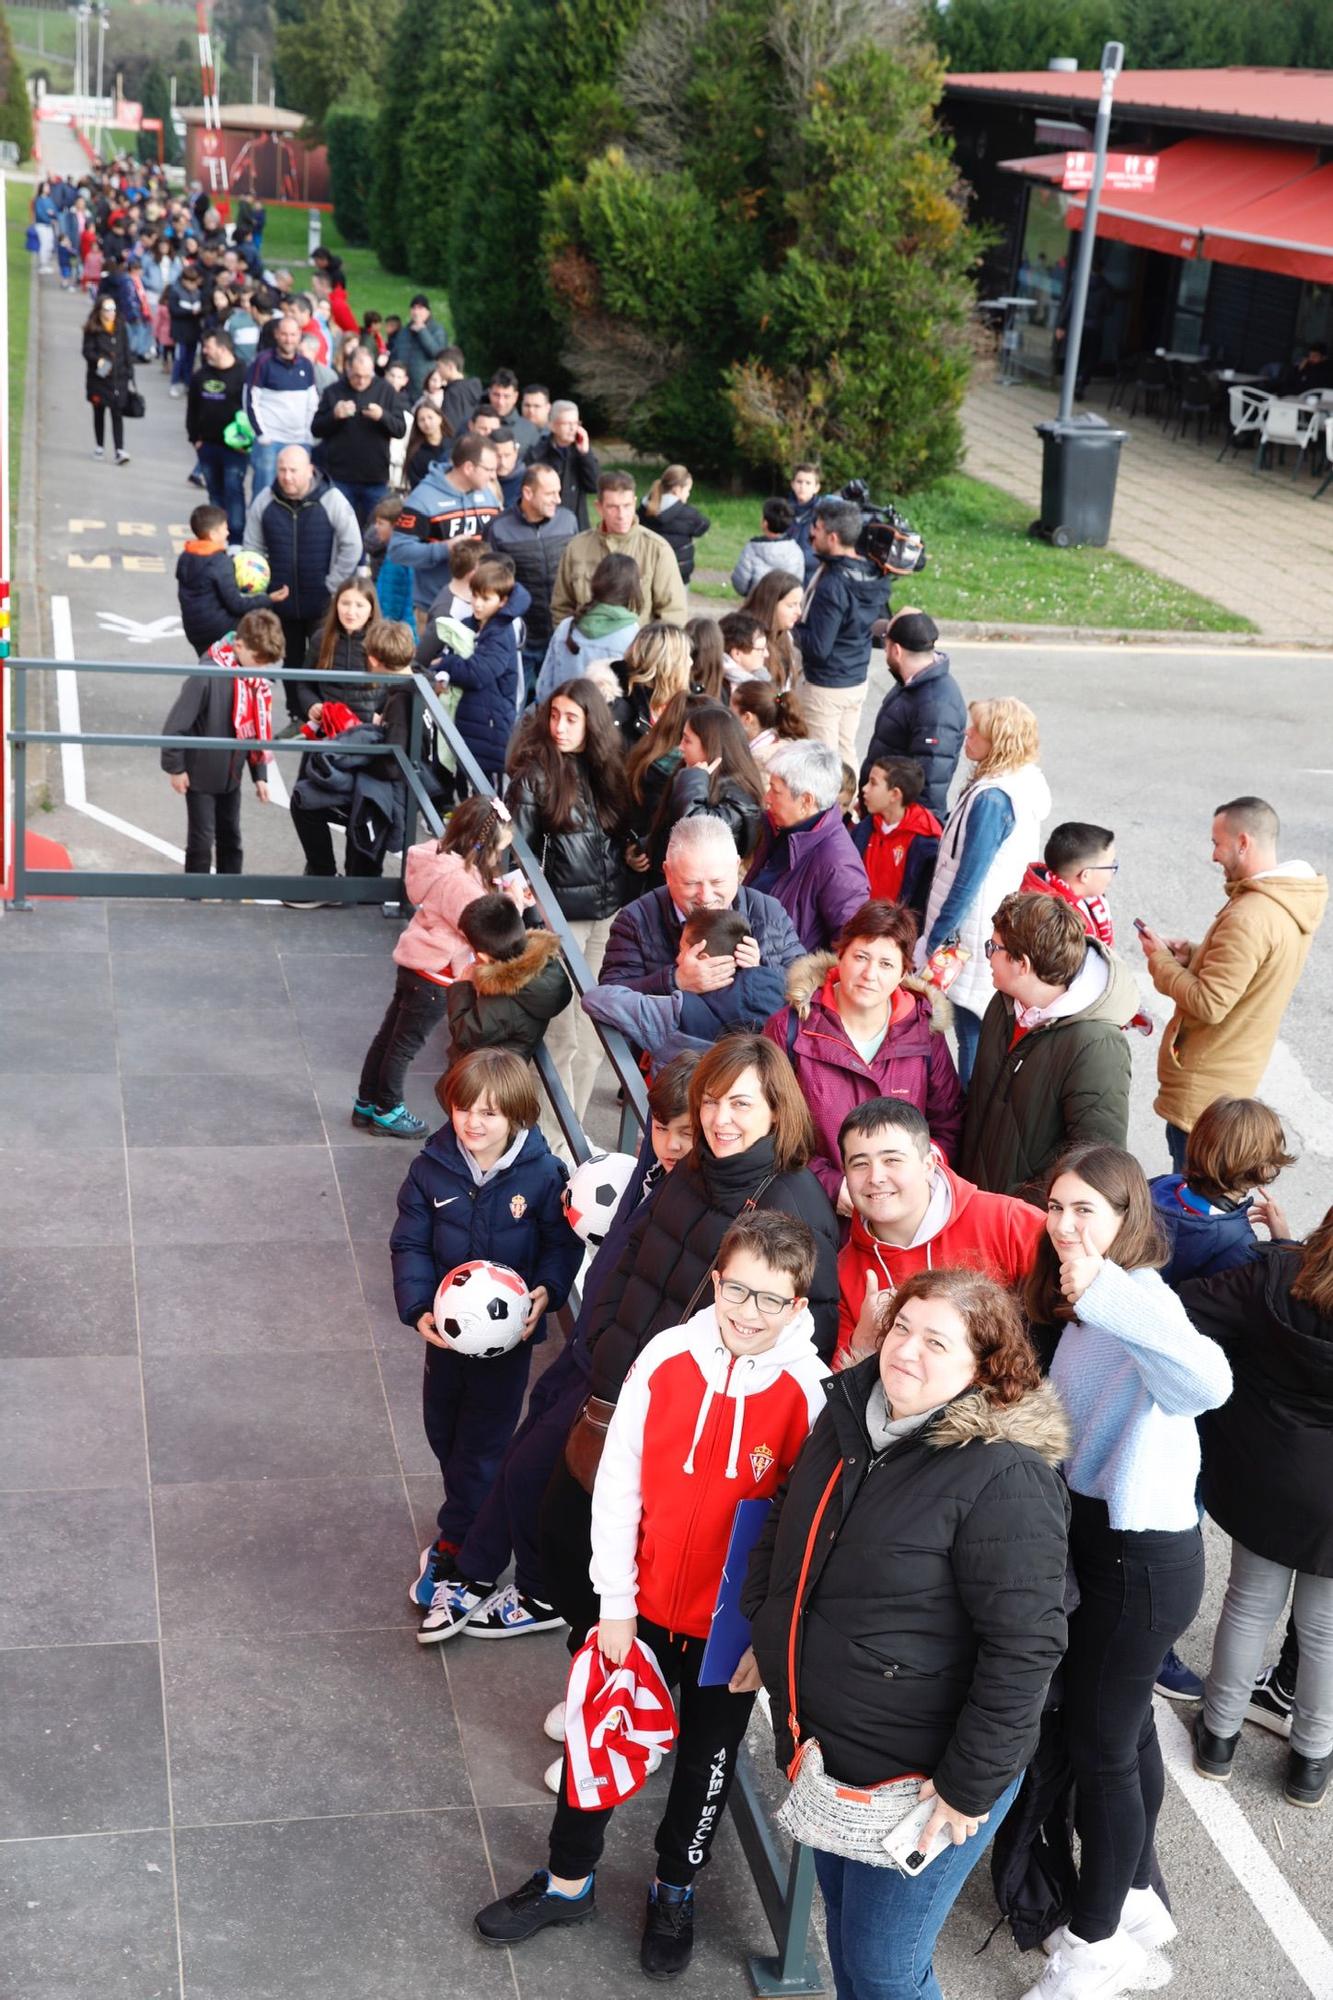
(442, 879)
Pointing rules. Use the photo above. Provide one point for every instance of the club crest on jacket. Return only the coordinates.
(518, 1205)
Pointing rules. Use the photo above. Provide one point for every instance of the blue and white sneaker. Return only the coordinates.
(1177, 1681)
(509, 1614)
(400, 1123)
(454, 1603)
(438, 1565)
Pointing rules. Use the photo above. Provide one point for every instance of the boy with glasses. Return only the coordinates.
(1078, 864)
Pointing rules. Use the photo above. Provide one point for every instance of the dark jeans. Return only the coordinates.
(967, 1027)
(213, 818)
(312, 830)
(883, 1927)
(361, 499)
(182, 362)
(117, 426)
(564, 1537)
(1176, 1142)
(224, 474)
(531, 661)
(1138, 1592)
(296, 636)
(712, 1722)
(508, 1522)
(470, 1408)
(416, 1007)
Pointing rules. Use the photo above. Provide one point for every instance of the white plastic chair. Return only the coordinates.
(1286, 423)
(1245, 411)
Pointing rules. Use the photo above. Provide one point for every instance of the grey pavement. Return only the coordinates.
(1254, 542)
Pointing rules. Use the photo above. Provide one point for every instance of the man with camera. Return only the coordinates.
(834, 634)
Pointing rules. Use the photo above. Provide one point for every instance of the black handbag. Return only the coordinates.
(134, 405)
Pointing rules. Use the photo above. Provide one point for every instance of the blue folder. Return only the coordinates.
(729, 1632)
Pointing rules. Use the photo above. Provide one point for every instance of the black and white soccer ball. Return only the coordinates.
(594, 1192)
(480, 1309)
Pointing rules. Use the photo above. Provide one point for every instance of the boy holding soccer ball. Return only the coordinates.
(210, 597)
(486, 1185)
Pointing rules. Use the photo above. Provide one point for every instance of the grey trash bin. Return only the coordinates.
(1080, 460)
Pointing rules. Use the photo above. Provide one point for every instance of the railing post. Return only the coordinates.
(19, 767)
(414, 737)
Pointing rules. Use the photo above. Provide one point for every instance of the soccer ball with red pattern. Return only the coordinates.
(594, 1192)
(480, 1309)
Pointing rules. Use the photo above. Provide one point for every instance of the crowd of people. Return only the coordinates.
(885, 1263)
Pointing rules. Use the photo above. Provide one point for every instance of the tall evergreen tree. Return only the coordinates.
(15, 110)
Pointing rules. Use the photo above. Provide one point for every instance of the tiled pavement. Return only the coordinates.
(227, 1772)
(1253, 542)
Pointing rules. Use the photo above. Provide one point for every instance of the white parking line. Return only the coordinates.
(73, 771)
(1297, 1934)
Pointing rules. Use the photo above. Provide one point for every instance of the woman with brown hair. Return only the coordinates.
(988, 840)
(603, 628)
(776, 602)
(339, 648)
(666, 509)
(708, 657)
(108, 374)
(769, 716)
(717, 775)
(1134, 1374)
(751, 1142)
(919, 1546)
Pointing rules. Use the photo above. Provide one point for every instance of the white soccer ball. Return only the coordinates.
(594, 1192)
(480, 1309)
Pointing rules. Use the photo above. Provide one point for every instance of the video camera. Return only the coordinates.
(888, 539)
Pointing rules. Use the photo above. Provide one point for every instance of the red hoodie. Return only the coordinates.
(993, 1233)
(886, 853)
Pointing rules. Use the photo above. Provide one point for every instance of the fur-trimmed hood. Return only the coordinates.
(1037, 1421)
(511, 975)
(808, 978)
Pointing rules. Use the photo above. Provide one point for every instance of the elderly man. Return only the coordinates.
(1231, 991)
(806, 858)
(703, 872)
(534, 534)
(620, 534)
(309, 534)
(566, 448)
(357, 419)
(280, 401)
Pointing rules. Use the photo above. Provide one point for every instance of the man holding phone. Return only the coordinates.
(1231, 991)
(566, 449)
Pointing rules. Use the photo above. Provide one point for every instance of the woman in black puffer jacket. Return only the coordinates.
(339, 648)
(932, 1614)
(567, 796)
(752, 1137)
(717, 775)
(109, 374)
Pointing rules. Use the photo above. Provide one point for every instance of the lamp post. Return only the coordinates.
(1113, 60)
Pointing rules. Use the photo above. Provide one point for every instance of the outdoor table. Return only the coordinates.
(1168, 354)
(1241, 378)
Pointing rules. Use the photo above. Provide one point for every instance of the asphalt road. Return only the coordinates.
(1145, 740)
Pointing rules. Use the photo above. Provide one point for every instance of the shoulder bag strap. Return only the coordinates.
(703, 1282)
(792, 1724)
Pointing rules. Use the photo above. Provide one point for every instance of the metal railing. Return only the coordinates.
(785, 1881)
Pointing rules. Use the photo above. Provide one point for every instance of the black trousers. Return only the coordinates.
(213, 819)
(117, 425)
(564, 1541)
(312, 830)
(417, 1005)
(471, 1410)
(712, 1724)
(508, 1522)
(297, 634)
(1138, 1592)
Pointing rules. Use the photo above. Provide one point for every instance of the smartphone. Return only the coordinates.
(903, 1845)
(1140, 926)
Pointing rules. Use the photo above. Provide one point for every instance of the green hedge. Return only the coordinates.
(349, 131)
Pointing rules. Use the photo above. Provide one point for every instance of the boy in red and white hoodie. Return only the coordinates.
(712, 1413)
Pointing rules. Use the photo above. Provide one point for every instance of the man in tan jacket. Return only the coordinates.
(620, 535)
(1231, 991)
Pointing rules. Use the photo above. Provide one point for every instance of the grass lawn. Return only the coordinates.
(18, 209)
(984, 566)
(369, 285)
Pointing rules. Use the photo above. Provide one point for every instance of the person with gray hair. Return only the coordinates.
(834, 635)
(703, 872)
(567, 450)
(806, 858)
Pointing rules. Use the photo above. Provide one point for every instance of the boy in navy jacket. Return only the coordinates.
(211, 601)
(489, 675)
(486, 1185)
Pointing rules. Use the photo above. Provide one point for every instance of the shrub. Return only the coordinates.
(349, 129)
(15, 110)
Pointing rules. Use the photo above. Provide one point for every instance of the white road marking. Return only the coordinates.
(138, 632)
(1294, 1930)
(73, 771)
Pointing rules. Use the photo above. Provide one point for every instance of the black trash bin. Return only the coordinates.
(1080, 460)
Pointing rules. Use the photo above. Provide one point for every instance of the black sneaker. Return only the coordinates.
(513, 1918)
(1307, 1779)
(1213, 1754)
(1270, 1704)
(668, 1931)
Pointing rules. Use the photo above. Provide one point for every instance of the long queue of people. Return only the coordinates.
(884, 1264)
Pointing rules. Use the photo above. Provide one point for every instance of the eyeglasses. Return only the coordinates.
(1102, 868)
(992, 945)
(770, 1304)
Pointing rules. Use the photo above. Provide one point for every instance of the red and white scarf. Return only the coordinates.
(251, 704)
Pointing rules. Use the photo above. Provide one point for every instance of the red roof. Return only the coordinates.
(1296, 102)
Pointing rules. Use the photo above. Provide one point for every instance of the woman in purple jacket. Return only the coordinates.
(856, 1028)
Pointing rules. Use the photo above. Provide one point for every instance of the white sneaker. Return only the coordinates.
(176, 390)
(554, 1724)
(1079, 1971)
(122, 458)
(1147, 1920)
(99, 451)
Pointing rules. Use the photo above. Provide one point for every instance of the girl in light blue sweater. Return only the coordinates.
(1133, 1374)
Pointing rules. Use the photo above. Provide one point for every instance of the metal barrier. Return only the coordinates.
(785, 1883)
